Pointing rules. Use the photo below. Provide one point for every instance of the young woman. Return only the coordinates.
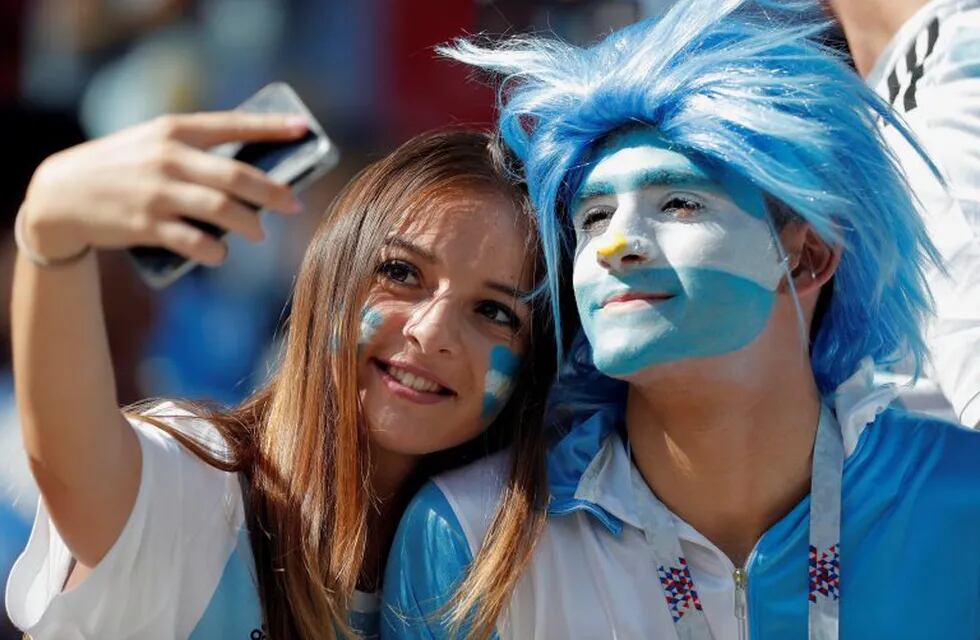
(411, 324)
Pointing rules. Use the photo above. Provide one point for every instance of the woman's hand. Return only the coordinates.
(133, 187)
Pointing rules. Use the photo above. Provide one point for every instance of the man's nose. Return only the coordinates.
(620, 252)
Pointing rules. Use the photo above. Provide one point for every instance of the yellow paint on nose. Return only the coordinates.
(614, 246)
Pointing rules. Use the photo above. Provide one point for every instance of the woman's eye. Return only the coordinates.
(681, 207)
(399, 271)
(595, 221)
(498, 314)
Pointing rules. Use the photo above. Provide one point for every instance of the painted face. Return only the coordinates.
(444, 327)
(671, 263)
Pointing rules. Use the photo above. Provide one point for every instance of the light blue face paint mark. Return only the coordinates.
(712, 313)
(499, 379)
(370, 321)
(683, 176)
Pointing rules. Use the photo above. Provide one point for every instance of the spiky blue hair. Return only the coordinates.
(735, 85)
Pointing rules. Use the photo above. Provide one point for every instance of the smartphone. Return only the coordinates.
(296, 163)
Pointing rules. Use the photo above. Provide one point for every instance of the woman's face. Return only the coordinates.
(444, 327)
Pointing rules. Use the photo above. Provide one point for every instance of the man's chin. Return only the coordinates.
(626, 357)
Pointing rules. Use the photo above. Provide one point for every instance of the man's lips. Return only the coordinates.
(635, 296)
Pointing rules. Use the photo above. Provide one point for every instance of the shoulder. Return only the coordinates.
(922, 430)
(939, 63)
(938, 39)
(959, 42)
(920, 451)
(426, 562)
(181, 449)
(440, 533)
(430, 523)
(473, 493)
(177, 481)
(918, 478)
(149, 419)
(449, 516)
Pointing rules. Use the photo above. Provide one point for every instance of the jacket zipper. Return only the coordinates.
(741, 578)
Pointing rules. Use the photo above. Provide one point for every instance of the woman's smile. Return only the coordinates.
(411, 383)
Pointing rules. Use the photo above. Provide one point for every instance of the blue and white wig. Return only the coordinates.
(733, 84)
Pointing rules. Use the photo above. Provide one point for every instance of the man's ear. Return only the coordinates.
(811, 260)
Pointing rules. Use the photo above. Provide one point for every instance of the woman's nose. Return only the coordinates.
(433, 326)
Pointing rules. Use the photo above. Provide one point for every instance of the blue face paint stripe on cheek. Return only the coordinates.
(499, 379)
(370, 321)
(712, 313)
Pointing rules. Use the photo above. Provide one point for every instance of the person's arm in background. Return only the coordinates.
(127, 189)
(940, 98)
(869, 26)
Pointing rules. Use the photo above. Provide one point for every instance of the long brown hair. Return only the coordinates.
(521, 514)
(300, 441)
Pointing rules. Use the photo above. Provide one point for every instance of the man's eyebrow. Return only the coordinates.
(511, 292)
(402, 243)
(651, 177)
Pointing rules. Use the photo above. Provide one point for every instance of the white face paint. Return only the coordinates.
(671, 263)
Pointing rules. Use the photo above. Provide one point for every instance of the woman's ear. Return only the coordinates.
(811, 261)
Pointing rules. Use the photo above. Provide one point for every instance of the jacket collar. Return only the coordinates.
(590, 468)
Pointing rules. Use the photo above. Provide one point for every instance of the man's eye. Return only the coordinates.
(498, 314)
(682, 207)
(399, 271)
(595, 221)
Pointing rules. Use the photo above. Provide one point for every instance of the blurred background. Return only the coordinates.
(77, 69)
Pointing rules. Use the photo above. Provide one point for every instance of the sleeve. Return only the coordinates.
(157, 578)
(949, 127)
(426, 563)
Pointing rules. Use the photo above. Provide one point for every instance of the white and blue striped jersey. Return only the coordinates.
(909, 565)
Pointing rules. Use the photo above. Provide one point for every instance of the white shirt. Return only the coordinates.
(910, 503)
(930, 73)
(182, 566)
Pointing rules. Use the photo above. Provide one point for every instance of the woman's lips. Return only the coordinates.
(393, 376)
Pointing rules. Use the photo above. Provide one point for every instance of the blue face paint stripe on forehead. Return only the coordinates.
(749, 198)
(680, 177)
(499, 380)
(675, 168)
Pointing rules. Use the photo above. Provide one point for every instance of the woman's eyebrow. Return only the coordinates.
(402, 243)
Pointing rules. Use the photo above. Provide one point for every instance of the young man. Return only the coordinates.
(923, 57)
(743, 252)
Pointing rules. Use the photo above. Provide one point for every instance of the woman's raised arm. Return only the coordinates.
(131, 188)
